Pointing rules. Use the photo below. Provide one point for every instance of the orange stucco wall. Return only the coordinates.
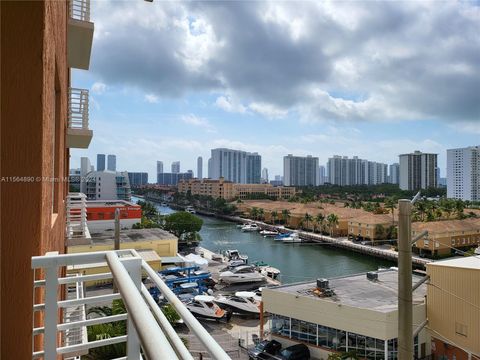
(34, 83)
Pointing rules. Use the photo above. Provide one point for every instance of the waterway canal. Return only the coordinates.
(297, 262)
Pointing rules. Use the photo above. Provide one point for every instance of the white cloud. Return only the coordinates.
(268, 110)
(194, 120)
(228, 104)
(98, 88)
(151, 98)
(467, 127)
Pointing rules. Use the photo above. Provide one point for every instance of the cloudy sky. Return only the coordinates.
(171, 80)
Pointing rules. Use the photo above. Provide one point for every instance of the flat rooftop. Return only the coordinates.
(107, 203)
(360, 292)
(126, 236)
(467, 262)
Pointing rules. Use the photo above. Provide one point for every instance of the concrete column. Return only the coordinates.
(405, 311)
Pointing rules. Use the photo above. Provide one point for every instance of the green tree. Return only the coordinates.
(332, 221)
(285, 216)
(391, 205)
(379, 232)
(254, 213)
(459, 207)
(261, 214)
(274, 216)
(307, 218)
(107, 330)
(184, 225)
(320, 220)
(171, 314)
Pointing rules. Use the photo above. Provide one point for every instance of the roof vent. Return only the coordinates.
(372, 275)
(322, 284)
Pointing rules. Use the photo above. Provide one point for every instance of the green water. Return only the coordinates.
(297, 262)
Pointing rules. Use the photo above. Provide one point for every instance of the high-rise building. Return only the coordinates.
(112, 162)
(37, 136)
(200, 167)
(209, 165)
(394, 173)
(173, 178)
(300, 170)
(463, 173)
(159, 167)
(235, 165)
(418, 171)
(100, 162)
(138, 178)
(175, 167)
(344, 171)
(264, 179)
(321, 175)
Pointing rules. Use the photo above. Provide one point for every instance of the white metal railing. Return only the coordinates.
(147, 327)
(78, 109)
(77, 216)
(80, 10)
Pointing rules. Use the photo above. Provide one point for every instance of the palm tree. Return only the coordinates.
(459, 207)
(447, 206)
(274, 216)
(332, 221)
(320, 220)
(307, 218)
(391, 205)
(254, 213)
(285, 216)
(261, 214)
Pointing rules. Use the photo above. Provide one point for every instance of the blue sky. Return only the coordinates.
(170, 81)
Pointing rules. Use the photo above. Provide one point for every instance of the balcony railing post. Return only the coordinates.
(51, 310)
(134, 268)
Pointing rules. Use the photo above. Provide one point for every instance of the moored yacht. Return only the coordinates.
(203, 306)
(241, 274)
(292, 238)
(190, 210)
(268, 233)
(250, 227)
(243, 302)
(235, 258)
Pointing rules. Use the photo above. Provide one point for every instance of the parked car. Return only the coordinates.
(295, 352)
(271, 347)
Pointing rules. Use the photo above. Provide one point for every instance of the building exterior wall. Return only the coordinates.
(363, 321)
(101, 162)
(111, 163)
(163, 247)
(463, 173)
(300, 170)
(138, 178)
(418, 171)
(34, 114)
(108, 185)
(235, 165)
(453, 303)
(200, 167)
(215, 188)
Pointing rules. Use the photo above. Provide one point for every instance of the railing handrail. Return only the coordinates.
(78, 103)
(80, 10)
(144, 317)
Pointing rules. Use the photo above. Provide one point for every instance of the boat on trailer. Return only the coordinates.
(243, 302)
(204, 307)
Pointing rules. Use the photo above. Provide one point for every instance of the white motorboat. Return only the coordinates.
(270, 272)
(243, 302)
(250, 227)
(203, 306)
(190, 210)
(241, 274)
(235, 258)
(292, 238)
(268, 233)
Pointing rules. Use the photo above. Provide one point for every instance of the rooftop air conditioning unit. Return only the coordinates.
(372, 275)
(322, 284)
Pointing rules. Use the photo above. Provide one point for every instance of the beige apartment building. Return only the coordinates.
(215, 188)
(355, 313)
(370, 226)
(229, 190)
(453, 308)
(443, 235)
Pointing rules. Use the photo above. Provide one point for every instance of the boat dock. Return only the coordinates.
(341, 243)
